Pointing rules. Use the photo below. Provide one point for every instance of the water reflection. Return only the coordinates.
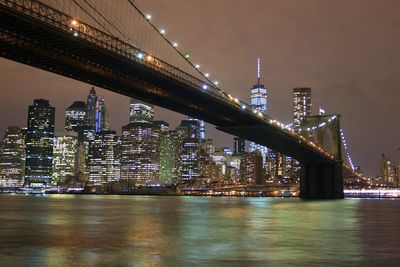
(68, 230)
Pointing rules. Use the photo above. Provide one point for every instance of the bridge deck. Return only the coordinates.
(43, 41)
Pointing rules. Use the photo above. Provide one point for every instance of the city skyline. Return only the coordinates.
(330, 87)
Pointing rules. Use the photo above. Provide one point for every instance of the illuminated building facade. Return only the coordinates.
(251, 168)
(387, 170)
(140, 153)
(189, 159)
(39, 144)
(65, 156)
(259, 102)
(104, 158)
(301, 104)
(90, 119)
(239, 145)
(12, 158)
(140, 111)
(102, 117)
(75, 118)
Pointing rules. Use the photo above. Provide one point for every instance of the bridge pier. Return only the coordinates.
(321, 181)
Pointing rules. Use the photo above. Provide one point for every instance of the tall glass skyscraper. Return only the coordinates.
(259, 102)
(301, 104)
(39, 144)
(102, 117)
(91, 104)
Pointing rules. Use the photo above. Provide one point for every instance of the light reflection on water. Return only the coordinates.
(73, 230)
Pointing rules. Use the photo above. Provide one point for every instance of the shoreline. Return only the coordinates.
(352, 196)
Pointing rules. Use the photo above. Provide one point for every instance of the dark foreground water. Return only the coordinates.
(73, 230)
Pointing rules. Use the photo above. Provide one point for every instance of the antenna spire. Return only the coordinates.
(258, 71)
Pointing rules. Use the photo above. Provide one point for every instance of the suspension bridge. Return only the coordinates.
(114, 45)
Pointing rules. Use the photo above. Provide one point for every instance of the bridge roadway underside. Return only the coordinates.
(38, 44)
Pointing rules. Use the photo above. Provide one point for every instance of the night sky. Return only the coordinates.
(347, 51)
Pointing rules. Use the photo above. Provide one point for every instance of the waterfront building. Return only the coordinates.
(234, 167)
(140, 153)
(251, 168)
(221, 157)
(39, 144)
(65, 151)
(167, 158)
(387, 170)
(75, 118)
(104, 158)
(301, 104)
(189, 159)
(12, 158)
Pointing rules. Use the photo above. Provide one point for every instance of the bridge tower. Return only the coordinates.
(322, 180)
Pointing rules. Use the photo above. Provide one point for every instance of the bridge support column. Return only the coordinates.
(321, 181)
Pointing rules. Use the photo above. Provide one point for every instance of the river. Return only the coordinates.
(105, 230)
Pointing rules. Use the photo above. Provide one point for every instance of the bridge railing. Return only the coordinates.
(78, 29)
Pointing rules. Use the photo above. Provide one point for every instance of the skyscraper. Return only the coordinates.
(189, 159)
(258, 92)
(239, 145)
(102, 117)
(301, 104)
(65, 156)
(12, 158)
(251, 168)
(75, 118)
(259, 102)
(167, 158)
(39, 144)
(90, 119)
(193, 127)
(140, 111)
(140, 153)
(104, 158)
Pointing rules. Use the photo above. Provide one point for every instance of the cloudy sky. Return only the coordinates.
(347, 51)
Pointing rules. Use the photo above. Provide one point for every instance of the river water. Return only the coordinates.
(89, 230)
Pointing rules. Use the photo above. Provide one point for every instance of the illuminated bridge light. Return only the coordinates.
(205, 86)
(175, 44)
(187, 55)
(148, 16)
(162, 31)
(140, 55)
(207, 74)
(243, 107)
(216, 82)
(197, 66)
(76, 34)
(149, 58)
(74, 22)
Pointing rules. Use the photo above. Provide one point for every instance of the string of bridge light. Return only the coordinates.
(321, 125)
(175, 45)
(346, 149)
